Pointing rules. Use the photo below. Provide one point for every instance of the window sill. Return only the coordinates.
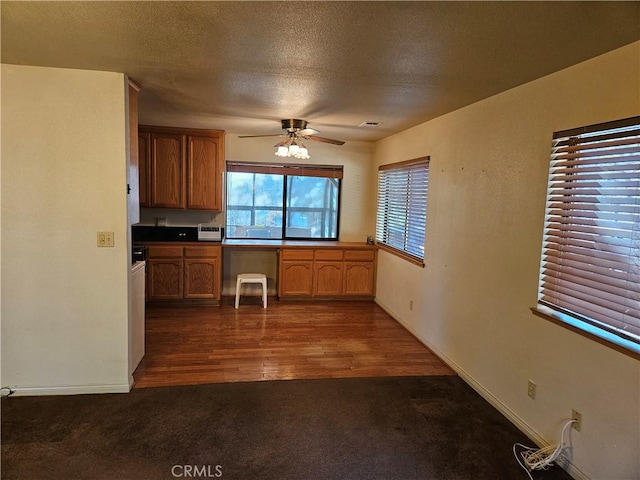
(401, 254)
(587, 330)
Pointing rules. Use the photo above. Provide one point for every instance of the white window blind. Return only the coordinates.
(402, 206)
(590, 265)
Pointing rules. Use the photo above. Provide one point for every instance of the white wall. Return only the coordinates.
(64, 308)
(487, 190)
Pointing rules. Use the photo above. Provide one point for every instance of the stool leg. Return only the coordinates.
(264, 293)
(238, 284)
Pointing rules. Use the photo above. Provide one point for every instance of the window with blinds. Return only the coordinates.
(402, 207)
(590, 268)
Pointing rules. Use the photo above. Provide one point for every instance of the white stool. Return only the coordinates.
(252, 278)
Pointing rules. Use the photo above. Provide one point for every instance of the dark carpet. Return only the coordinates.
(396, 428)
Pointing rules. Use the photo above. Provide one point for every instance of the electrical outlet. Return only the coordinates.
(577, 416)
(531, 390)
(410, 304)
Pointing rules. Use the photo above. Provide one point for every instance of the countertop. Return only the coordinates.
(239, 243)
(138, 266)
(269, 244)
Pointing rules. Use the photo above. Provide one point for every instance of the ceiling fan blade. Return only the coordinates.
(325, 140)
(256, 136)
(307, 131)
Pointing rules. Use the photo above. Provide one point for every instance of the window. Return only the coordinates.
(281, 201)
(590, 267)
(402, 207)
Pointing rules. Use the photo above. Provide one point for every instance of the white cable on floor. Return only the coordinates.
(539, 458)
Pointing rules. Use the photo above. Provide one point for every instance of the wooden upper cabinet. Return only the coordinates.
(144, 164)
(167, 170)
(182, 168)
(204, 181)
(134, 175)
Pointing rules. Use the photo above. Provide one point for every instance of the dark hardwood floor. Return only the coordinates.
(188, 345)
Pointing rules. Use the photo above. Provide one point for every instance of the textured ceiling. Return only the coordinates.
(242, 66)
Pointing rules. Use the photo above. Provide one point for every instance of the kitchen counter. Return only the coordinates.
(267, 244)
(198, 270)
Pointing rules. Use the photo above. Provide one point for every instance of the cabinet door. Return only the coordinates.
(167, 170)
(202, 278)
(327, 278)
(134, 176)
(144, 163)
(296, 278)
(204, 181)
(359, 278)
(165, 278)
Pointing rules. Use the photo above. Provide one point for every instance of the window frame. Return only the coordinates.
(286, 171)
(403, 214)
(583, 224)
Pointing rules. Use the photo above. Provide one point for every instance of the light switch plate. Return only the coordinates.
(105, 239)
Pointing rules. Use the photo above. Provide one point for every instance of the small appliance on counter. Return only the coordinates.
(209, 233)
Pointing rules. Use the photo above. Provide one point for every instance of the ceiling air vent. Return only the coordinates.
(369, 124)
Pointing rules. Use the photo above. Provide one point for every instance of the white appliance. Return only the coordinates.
(136, 315)
(209, 233)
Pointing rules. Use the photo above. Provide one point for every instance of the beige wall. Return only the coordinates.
(487, 190)
(64, 308)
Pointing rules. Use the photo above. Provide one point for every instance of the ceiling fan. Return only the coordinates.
(296, 130)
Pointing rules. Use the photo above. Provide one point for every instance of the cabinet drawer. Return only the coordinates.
(202, 252)
(360, 255)
(296, 254)
(158, 251)
(330, 254)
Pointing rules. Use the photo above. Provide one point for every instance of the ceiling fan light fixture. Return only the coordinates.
(292, 147)
(282, 151)
(302, 153)
(295, 131)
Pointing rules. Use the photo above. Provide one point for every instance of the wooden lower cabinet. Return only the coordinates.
(327, 278)
(296, 278)
(179, 273)
(359, 278)
(202, 272)
(359, 272)
(327, 272)
(165, 279)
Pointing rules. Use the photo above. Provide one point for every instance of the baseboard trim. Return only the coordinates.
(69, 390)
(539, 440)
